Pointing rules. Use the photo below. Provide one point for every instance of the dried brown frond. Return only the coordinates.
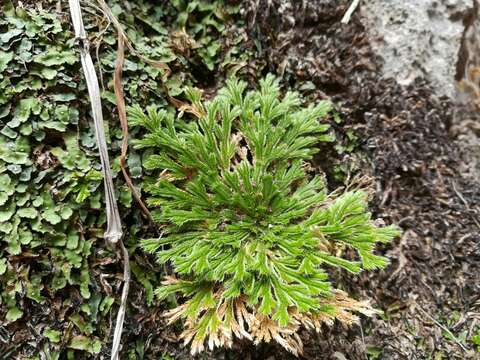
(343, 301)
(194, 109)
(170, 280)
(265, 329)
(235, 317)
(182, 43)
(176, 313)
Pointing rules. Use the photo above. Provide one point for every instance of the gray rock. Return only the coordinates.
(418, 38)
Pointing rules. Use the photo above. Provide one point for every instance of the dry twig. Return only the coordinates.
(467, 206)
(113, 234)
(122, 114)
(443, 328)
(117, 335)
(114, 227)
(351, 9)
(120, 102)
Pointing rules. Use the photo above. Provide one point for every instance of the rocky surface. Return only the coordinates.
(419, 38)
(437, 41)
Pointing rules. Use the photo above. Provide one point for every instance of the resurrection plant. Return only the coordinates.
(249, 228)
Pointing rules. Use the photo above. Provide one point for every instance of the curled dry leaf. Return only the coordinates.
(235, 318)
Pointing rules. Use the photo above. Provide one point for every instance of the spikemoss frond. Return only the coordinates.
(248, 230)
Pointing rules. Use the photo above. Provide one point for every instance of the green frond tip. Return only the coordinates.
(245, 222)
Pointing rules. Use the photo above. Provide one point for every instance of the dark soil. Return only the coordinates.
(421, 180)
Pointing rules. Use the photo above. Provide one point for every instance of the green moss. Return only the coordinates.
(51, 205)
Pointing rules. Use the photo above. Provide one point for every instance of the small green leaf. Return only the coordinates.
(65, 212)
(52, 335)
(84, 284)
(5, 58)
(48, 73)
(13, 314)
(15, 157)
(7, 36)
(3, 266)
(84, 326)
(79, 342)
(26, 129)
(55, 125)
(6, 214)
(14, 247)
(23, 50)
(25, 237)
(125, 196)
(8, 132)
(4, 110)
(56, 56)
(476, 340)
(72, 241)
(106, 304)
(58, 282)
(82, 194)
(96, 347)
(143, 277)
(51, 216)
(6, 184)
(29, 213)
(64, 97)
(6, 227)
(374, 352)
(38, 201)
(34, 288)
(24, 109)
(3, 198)
(14, 168)
(26, 174)
(61, 114)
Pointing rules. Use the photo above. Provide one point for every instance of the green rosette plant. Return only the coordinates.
(249, 227)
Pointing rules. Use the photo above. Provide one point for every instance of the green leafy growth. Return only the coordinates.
(51, 221)
(476, 340)
(242, 211)
(43, 168)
